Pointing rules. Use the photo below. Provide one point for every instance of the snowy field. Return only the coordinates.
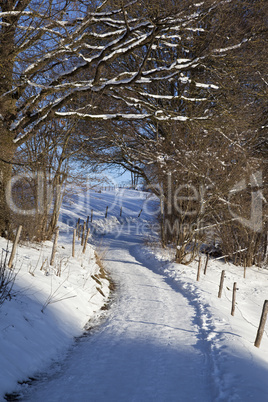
(166, 336)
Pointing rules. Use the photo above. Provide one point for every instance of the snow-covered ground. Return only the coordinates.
(166, 336)
(49, 306)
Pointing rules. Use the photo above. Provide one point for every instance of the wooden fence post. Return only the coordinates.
(83, 234)
(206, 265)
(54, 248)
(13, 252)
(86, 239)
(199, 269)
(91, 215)
(79, 231)
(233, 298)
(106, 213)
(77, 226)
(245, 268)
(262, 324)
(221, 283)
(73, 248)
(121, 211)
(87, 222)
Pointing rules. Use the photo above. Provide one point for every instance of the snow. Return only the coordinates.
(159, 115)
(15, 13)
(200, 85)
(195, 29)
(239, 369)
(136, 116)
(169, 97)
(49, 307)
(166, 337)
(226, 49)
(131, 44)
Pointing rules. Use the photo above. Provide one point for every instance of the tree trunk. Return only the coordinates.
(7, 150)
(55, 213)
(7, 112)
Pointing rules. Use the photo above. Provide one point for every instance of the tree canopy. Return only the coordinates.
(157, 86)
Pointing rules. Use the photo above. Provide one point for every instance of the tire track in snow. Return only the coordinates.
(147, 350)
(210, 340)
(209, 343)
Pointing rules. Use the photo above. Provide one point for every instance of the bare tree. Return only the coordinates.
(41, 177)
(55, 53)
(204, 128)
(44, 48)
(156, 81)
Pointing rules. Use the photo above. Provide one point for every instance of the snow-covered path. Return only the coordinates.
(149, 349)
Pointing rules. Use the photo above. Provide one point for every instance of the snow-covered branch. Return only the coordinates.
(63, 55)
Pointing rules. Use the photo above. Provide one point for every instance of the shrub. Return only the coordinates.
(7, 278)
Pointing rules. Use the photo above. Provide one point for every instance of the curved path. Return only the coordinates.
(149, 348)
